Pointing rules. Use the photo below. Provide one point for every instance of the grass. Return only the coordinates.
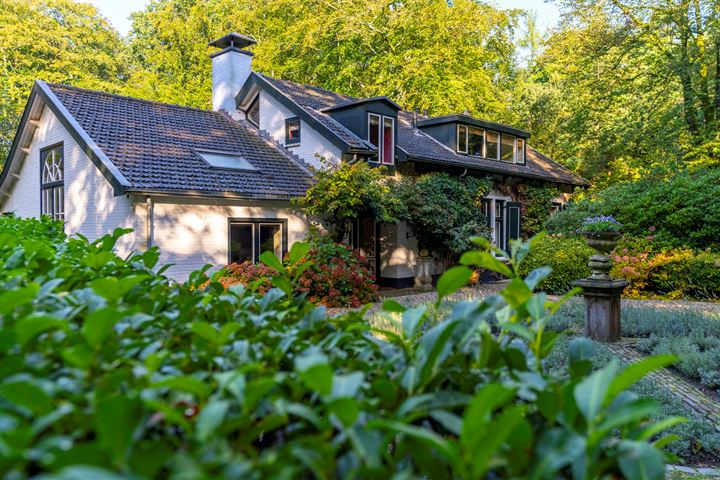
(693, 336)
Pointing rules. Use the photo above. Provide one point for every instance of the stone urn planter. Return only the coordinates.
(423, 279)
(600, 264)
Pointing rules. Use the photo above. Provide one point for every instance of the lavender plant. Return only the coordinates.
(602, 224)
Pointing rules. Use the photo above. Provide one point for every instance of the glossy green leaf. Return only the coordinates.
(452, 280)
(116, 419)
(591, 392)
(210, 418)
(28, 395)
(638, 370)
(185, 384)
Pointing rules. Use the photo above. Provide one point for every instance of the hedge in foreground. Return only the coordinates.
(109, 370)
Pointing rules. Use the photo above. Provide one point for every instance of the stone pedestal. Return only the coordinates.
(602, 307)
(423, 279)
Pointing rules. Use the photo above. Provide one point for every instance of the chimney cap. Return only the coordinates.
(233, 40)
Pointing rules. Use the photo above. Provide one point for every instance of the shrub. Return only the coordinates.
(680, 208)
(669, 273)
(441, 210)
(567, 256)
(536, 207)
(111, 367)
(336, 276)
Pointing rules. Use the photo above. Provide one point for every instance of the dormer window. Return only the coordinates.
(292, 131)
(493, 145)
(381, 133)
(521, 150)
(507, 148)
(253, 111)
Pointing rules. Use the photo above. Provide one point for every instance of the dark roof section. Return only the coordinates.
(233, 40)
(307, 101)
(353, 103)
(478, 122)
(416, 145)
(152, 144)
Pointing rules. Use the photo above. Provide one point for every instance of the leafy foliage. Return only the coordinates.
(568, 258)
(678, 210)
(56, 41)
(336, 276)
(444, 211)
(535, 207)
(110, 367)
(343, 192)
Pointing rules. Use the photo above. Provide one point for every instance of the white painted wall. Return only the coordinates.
(399, 254)
(230, 70)
(91, 207)
(192, 233)
(312, 144)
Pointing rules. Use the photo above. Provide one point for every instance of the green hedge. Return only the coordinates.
(682, 208)
(567, 256)
(110, 370)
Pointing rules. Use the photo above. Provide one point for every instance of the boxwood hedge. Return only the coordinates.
(109, 370)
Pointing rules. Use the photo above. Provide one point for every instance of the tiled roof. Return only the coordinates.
(152, 144)
(420, 146)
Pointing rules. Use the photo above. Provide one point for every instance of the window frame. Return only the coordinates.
(499, 144)
(520, 159)
(255, 101)
(256, 222)
(457, 138)
(53, 187)
(379, 158)
(513, 158)
(288, 140)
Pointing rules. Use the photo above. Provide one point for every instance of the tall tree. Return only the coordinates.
(444, 56)
(56, 41)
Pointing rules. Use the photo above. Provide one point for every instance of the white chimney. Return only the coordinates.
(231, 67)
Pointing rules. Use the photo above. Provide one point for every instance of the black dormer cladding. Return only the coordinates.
(354, 115)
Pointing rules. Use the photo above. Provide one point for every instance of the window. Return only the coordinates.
(462, 138)
(52, 199)
(507, 152)
(225, 160)
(493, 145)
(292, 131)
(388, 150)
(381, 133)
(253, 111)
(476, 141)
(249, 238)
(521, 150)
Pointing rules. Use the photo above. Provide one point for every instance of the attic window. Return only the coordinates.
(225, 160)
(292, 131)
(253, 111)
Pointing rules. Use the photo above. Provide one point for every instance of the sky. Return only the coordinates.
(118, 11)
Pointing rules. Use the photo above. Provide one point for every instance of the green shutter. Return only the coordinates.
(513, 221)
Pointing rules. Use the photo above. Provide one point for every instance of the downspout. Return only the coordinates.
(149, 222)
(463, 173)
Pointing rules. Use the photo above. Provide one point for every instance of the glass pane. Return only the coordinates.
(492, 145)
(271, 238)
(476, 138)
(52, 165)
(462, 139)
(253, 112)
(226, 160)
(374, 130)
(388, 140)
(60, 205)
(508, 148)
(293, 131)
(241, 242)
(45, 202)
(521, 150)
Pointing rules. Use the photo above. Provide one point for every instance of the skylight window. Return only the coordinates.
(225, 160)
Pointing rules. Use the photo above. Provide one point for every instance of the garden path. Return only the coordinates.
(694, 398)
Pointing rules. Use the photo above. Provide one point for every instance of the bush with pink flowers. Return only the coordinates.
(670, 273)
(337, 276)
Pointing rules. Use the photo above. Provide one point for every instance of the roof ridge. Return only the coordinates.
(128, 97)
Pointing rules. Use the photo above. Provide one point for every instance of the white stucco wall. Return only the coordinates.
(192, 233)
(398, 258)
(312, 144)
(91, 208)
(230, 69)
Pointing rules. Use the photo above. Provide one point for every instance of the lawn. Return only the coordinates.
(672, 327)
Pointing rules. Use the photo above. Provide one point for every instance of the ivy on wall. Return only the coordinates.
(535, 207)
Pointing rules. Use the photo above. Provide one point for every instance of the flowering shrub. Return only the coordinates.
(666, 272)
(602, 224)
(336, 277)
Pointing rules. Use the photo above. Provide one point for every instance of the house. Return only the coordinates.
(214, 186)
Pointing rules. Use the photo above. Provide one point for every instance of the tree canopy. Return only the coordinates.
(618, 89)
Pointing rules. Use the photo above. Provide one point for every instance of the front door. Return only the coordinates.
(366, 240)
